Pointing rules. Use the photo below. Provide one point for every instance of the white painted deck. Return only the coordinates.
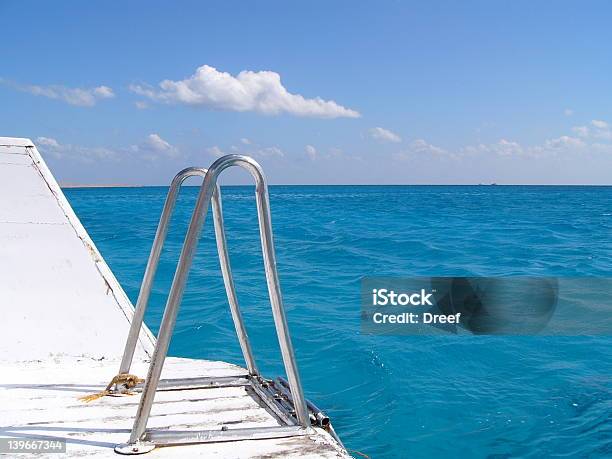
(64, 323)
(57, 294)
(40, 399)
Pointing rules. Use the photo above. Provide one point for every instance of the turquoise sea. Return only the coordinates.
(391, 396)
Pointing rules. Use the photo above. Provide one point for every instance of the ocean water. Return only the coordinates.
(391, 396)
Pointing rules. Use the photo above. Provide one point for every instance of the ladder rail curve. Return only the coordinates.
(208, 190)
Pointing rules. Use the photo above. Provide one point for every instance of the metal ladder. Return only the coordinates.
(284, 398)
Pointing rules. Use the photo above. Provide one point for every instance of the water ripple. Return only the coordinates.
(441, 396)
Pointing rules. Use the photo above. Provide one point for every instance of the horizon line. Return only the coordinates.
(87, 186)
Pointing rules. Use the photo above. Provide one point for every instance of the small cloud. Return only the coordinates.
(156, 143)
(47, 142)
(421, 146)
(103, 92)
(154, 146)
(51, 146)
(245, 141)
(602, 130)
(507, 148)
(598, 129)
(215, 151)
(268, 152)
(261, 92)
(564, 142)
(594, 137)
(249, 149)
(568, 112)
(384, 135)
(582, 131)
(141, 105)
(74, 96)
(311, 152)
(503, 148)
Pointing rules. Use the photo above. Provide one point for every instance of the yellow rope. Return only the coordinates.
(359, 452)
(127, 380)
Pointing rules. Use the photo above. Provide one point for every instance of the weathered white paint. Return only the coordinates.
(41, 399)
(58, 296)
(64, 322)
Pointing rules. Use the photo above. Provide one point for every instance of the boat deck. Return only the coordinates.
(41, 399)
(65, 322)
(57, 293)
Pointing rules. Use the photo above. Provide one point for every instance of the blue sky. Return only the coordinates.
(331, 92)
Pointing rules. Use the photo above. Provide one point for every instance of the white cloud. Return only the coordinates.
(154, 147)
(141, 105)
(151, 148)
(582, 131)
(245, 141)
(565, 142)
(268, 152)
(260, 92)
(385, 135)
(586, 139)
(598, 129)
(507, 147)
(49, 145)
(103, 92)
(158, 144)
(568, 112)
(601, 130)
(251, 150)
(73, 96)
(593, 138)
(421, 146)
(47, 142)
(215, 151)
(311, 152)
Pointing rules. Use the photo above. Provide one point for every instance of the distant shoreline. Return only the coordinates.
(71, 185)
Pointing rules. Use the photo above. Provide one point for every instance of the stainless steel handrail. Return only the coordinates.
(153, 262)
(207, 191)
